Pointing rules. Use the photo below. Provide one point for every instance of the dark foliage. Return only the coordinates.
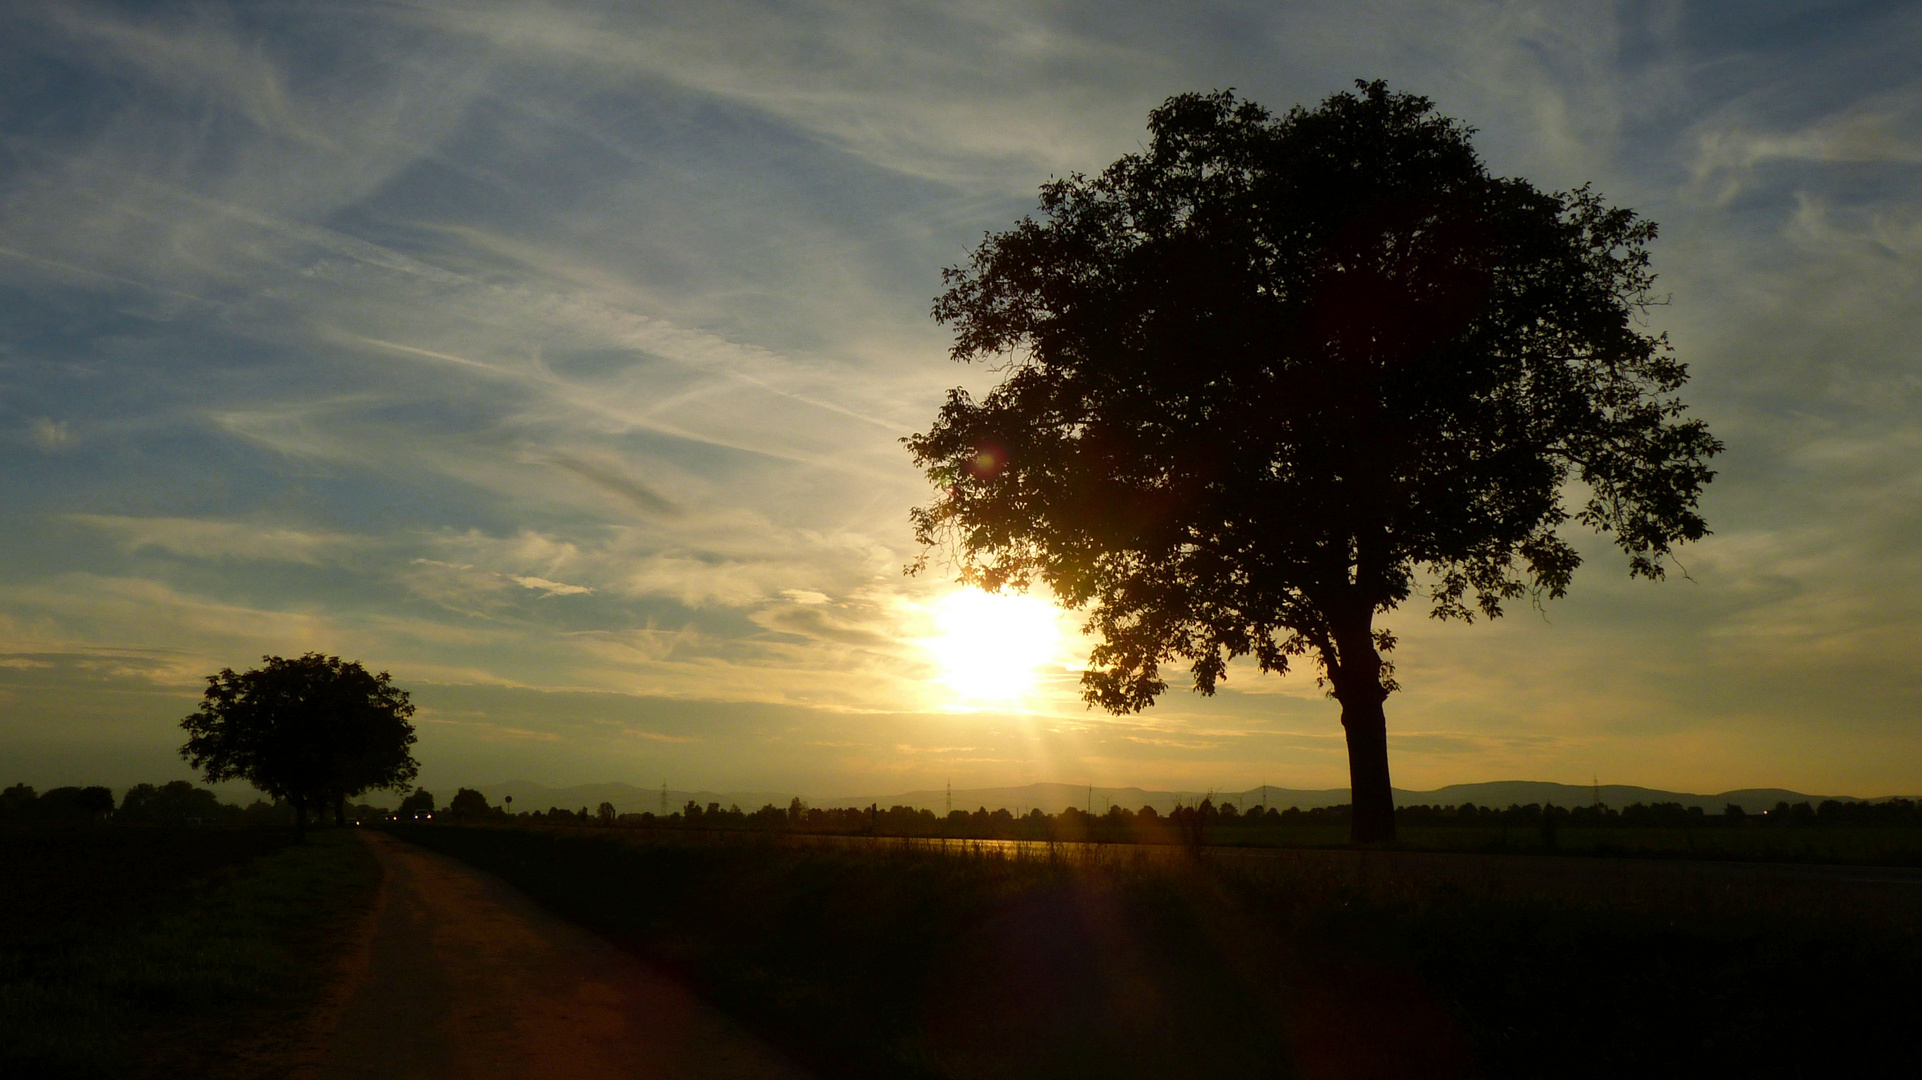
(61, 804)
(1272, 376)
(314, 731)
(173, 803)
(466, 805)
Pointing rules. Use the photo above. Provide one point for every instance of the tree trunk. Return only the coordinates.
(300, 820)
(340, 811)
(1357, 679)
(1371, 798)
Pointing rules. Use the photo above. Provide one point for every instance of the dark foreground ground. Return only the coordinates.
(137, 951)
(231, 953)
(468, 979)
(886, 961)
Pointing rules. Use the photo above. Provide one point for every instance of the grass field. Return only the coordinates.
(132, 951)
(1861, 845)
(891, 962)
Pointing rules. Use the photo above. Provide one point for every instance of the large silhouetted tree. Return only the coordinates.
(1272, 376)
(314, 731)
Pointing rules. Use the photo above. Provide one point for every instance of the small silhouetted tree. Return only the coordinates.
(468, 803)
(1273, 376)
(313, 730)
(173, 803)
(16, 802)
(69, 804)
(605, 812)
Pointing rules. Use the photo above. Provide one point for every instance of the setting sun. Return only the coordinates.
(993, 647)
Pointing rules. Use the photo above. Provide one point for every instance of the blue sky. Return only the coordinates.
(554, 358)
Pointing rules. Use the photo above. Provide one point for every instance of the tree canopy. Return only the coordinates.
(62, 804)
(1272, 376)
(313, 730)
(466, 803)
(172, 803)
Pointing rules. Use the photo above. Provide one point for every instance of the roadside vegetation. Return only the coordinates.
(902, 959)
(158, 950)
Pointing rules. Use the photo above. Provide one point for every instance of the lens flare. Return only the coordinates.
(988, 461)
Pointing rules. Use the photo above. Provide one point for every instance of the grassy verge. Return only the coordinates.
(871, 961)
(166, 952)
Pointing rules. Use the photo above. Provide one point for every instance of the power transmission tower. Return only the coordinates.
(663, 796)
(950, 798)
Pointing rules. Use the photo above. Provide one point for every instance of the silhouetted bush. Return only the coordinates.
(64, 805)
(174, 803)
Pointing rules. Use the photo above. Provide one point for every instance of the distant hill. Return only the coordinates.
(1505, 792)
(1053, 798)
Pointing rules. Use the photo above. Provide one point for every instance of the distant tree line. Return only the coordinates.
(181, 803)
(174, 803)
(20, 803)
(1186, 823)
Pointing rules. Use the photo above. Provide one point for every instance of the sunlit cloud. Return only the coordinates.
(49, 434)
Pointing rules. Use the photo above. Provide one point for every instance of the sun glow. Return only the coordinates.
(994, 647)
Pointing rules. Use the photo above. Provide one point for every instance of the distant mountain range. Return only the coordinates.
(1053, 798)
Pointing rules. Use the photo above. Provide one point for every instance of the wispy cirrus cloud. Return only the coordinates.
(551, 588)
(206, 539)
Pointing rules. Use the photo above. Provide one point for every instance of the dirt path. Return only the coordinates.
(467, 978)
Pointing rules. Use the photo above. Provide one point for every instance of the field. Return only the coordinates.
(1865, 845)
(132, 951)
(1887, 833)
(885, 959)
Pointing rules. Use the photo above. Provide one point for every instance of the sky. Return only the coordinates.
(555, 359)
